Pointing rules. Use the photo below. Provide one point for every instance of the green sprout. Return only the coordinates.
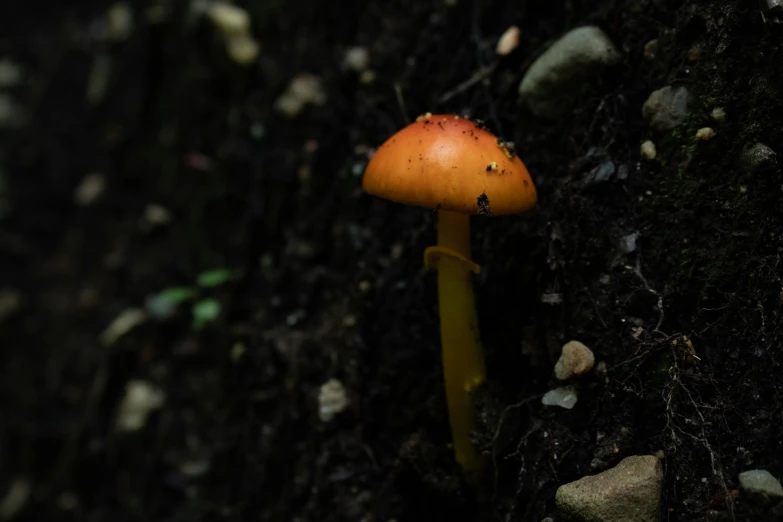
(164, 304)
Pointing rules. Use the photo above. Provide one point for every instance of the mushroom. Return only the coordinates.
(457, 167)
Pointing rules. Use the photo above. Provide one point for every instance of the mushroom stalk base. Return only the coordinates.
(463, 358)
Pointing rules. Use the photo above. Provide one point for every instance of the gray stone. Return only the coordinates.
(757, 158)
(627, 243)
(549, 85)
(760, 482)
(666, 108)
(629, 492)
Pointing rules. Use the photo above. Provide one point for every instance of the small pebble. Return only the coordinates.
(666, 108)
(141, 398)
(564, 397)
(126, 321)
(549, 85)
(575, 359)
(627, 243)
(357, 59)
(718, 114)
(508, 41)
(119, 22)
(89, 190)
(242, 49)
(648, 150)
(332, 399)
(303, 89)
(156, 215)
(760, 482)
(631, 491)
(229, 19)
(705, 133)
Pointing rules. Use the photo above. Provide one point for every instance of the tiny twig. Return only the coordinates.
(401, 103)
(476, 77)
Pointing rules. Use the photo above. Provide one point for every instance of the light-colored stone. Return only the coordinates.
(564, 397)
(242, 49)
(705, 133)
(356, 59)
(126, 321)
(508, 41)
(760, 482)
(332, 399)
(718, 114)
(303, 89)
(141, 398)
(230, 20)
(666, 108)
(549, 85)
(119, 22)
(575, 359)
(648, 150)
(629, 492)
(89, 190)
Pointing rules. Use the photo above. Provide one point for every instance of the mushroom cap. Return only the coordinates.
(452, 163)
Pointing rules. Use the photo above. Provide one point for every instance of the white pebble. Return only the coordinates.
(356, 59)
(648, 151)
(705, 133)
(718, 114)
(141, 398)
(229, 19)
(564, 397)
(332, 399)
(156, 215)
(303, 89)
(508, 41)
(242, 49)
(119, 22)
(126, 321)
(89, 190)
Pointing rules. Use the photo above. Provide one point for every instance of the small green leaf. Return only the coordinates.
(215, 277)
(205, 311)
(177, 294)
(164, 304)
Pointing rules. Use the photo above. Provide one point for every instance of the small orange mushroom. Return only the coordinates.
(457, 167)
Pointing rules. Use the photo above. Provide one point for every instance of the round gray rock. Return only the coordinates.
(549, 85)
(629, 492)
(666, 108)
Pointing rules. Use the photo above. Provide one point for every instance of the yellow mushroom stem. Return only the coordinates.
(463, 358)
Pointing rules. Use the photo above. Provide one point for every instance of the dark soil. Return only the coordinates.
(330, 284)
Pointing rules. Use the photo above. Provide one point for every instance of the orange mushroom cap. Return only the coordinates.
(452, 163)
